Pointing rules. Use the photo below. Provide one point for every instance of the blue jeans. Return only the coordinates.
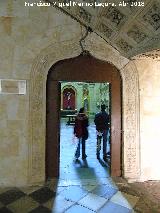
(99, 138)
(77, 153)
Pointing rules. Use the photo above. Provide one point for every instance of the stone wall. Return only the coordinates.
(149, 76)
(24, 32)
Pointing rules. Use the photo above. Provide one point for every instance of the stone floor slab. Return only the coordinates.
(40, 209)
(78, 209)
(111, 207)
(104, 191)
(92, 201)
(30, 189)
(23, 205)
(59, 204)
(1, 205)
(131, 199)
(10, 196)
(73, 193)
(42, 195)
(120, 199)
(5, 210)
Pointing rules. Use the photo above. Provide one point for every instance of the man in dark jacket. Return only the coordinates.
(81, 132)
(102, 125)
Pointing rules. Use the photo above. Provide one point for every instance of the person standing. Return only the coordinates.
(81, 132)
(102, 126)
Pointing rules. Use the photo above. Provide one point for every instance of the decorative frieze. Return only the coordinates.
(153, 16)
(84, 15)
(123, 45)
(105, 30)
(136, 34)
(114, 15)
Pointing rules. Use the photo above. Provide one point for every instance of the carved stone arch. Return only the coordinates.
(37, 104)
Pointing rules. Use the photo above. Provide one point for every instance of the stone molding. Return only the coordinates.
(37, 103)
(131, 139)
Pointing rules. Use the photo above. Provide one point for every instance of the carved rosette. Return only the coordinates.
(38, 76)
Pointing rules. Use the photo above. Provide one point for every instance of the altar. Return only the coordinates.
(66, 112)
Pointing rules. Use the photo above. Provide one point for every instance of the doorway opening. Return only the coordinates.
(84, 69)
(91, 96)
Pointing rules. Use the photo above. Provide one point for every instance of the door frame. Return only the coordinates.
(88, 69)
(36, 134)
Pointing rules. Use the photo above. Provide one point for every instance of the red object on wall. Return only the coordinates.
(68, 99)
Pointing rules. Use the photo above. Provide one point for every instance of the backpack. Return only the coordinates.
(78, 130)
(101, 121)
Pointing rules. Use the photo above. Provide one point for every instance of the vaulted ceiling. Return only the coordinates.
(130, 26)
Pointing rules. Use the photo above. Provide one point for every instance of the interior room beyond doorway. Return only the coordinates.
(75, 95)
(83, 68)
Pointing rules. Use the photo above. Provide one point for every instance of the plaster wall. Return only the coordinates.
(149, 76)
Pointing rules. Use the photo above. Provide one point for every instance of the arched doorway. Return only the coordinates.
(37, 104)
(88, 69)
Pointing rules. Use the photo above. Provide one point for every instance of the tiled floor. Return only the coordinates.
(91, 168)
(84, 186)
(84, 197)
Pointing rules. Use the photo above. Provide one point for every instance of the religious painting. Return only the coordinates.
(68, 99)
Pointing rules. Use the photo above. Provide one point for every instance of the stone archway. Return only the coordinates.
(130, 104)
